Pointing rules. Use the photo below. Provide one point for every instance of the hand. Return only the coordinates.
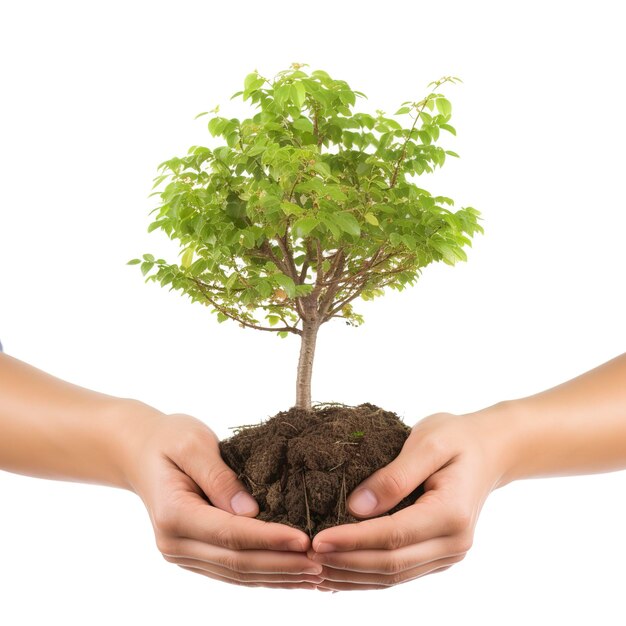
(175, 468)
(461, 460)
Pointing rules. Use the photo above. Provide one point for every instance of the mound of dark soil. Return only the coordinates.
(300, 465)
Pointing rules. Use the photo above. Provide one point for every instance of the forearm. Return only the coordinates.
(578, 427)
(52, 429)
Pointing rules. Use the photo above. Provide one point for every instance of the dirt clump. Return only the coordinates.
(301, 465)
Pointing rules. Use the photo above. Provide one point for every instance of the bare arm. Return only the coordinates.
(54, 429)
(578, 427)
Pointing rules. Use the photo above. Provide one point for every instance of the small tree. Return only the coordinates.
(307, 207)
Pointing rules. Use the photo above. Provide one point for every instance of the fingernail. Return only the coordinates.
(325, 547)
(296, 545)
(363, 501)
(312, 569)
(242, 502)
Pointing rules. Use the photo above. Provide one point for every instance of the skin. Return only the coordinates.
(53, 429)
(578, 427)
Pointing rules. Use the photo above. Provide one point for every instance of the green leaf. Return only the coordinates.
(201, 114)
(303, 124)
(286, 283)
(134, 262)
(425, 137)
(443, 106)
(395, 239)
(249, 79)
(449, 128)
(248, 239)
(328, 221)
(282, 334)
(322, 168)
(298, 94)
(146, 266)
(230, 281)
(348, 223)
(454, 154)
(252, 82)
(221, 317)
(216, 125)
(304, 226)
(148, 257)
(289, 208)
(273, 319)
(402, 110)
(372, 219)
(446, 250)
(281, 94)
(187, 258)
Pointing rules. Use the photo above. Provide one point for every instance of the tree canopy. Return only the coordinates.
(307, 205)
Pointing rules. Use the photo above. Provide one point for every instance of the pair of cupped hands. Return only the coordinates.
(204, 518)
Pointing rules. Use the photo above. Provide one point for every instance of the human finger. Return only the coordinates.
(249, 584)
(421, 456)
(244, 576)
(245, 561)
(388, 580)
(430, 517)
(394, 561)
(193, 518)
(196, 452)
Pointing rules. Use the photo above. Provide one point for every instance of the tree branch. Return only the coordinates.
(227, 313)
(357, 289)
(283, 244)
(355, 293)
(319, 259)
(331, 291)
(394, 177)
(269, 253)
(305, 267)
(316, 130)
(367, 266)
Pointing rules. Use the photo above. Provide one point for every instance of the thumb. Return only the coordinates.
(204, 464)
(389, 485)
(225, 491)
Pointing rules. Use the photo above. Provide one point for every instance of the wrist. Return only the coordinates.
(129, 424)
(503, 427)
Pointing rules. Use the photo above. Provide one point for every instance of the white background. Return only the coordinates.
(97, 94)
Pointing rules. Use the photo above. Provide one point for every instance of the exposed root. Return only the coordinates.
(325, 404)
(342, 498)
(306, 504)
(240, 429)
(247, 479)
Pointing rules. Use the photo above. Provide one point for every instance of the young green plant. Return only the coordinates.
(307, 206)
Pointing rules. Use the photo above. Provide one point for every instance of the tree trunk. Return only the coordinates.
(305, 364)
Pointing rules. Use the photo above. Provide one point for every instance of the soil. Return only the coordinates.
(301, 465)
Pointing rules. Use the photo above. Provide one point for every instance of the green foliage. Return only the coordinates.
(307, 205)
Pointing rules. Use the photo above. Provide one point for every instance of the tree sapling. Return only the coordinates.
(302, 209)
